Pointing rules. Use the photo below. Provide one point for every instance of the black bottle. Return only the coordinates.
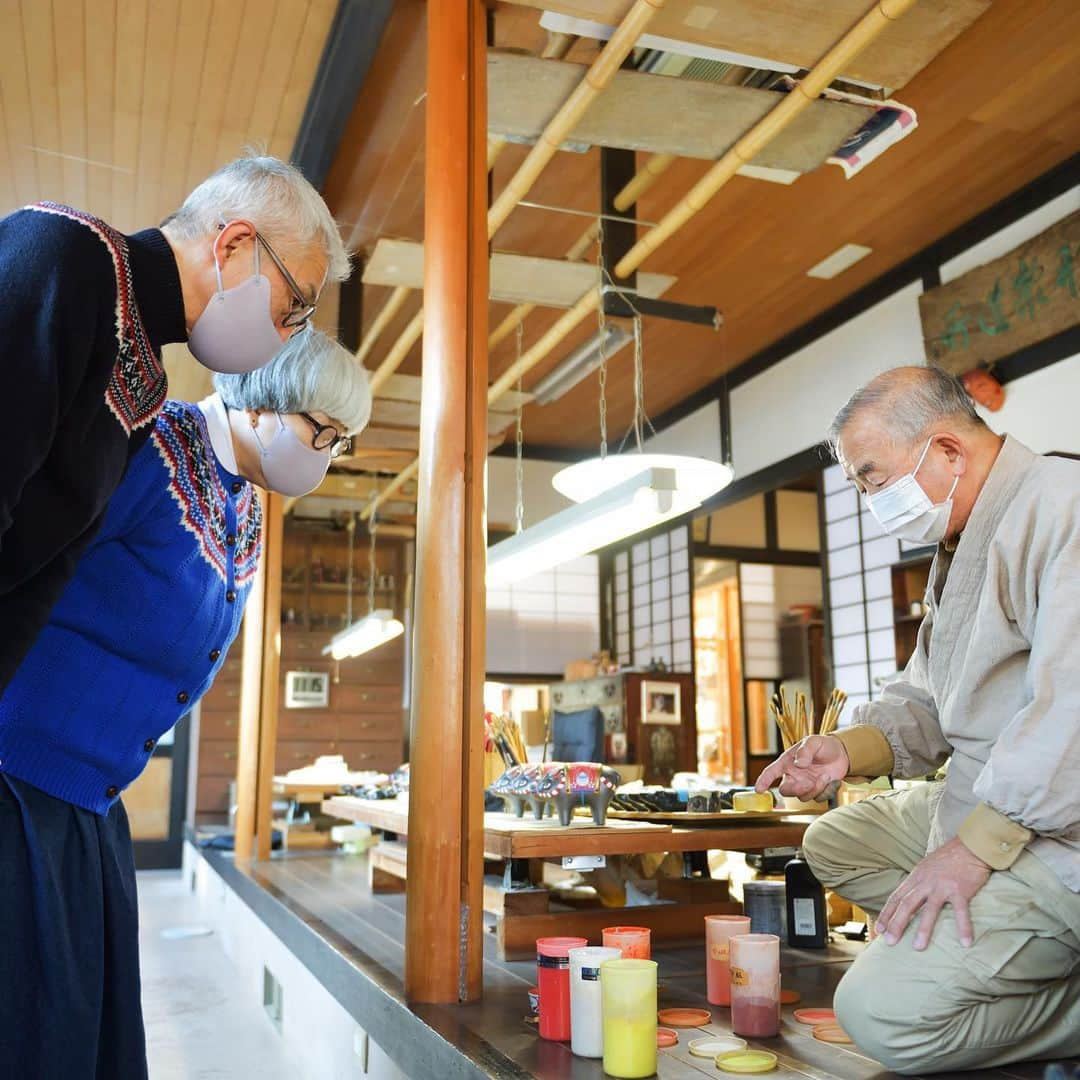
(807, 924)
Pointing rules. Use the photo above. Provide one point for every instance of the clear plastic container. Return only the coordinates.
(755, 985)
(586, 1011)
(719, 929)
(629, 1005)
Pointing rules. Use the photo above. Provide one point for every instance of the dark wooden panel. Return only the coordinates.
(217, 757)
(212, 795)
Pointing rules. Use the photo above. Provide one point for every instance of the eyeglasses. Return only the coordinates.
(326, 436)
(302, 309)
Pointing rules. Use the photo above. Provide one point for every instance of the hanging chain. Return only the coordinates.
(639, 385)
(519, 450)
(351, 529)
(372, 525)
(602, 321)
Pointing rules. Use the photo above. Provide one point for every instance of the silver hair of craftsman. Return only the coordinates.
(276, 198)
(312, 373)
(909, 401)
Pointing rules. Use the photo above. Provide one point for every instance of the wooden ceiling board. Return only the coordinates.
(514, 279)
(120, 109)
(997, 109)
(795, 32)
(407, 388)
(659, 114)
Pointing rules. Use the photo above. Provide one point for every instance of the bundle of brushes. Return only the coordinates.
(795, 722)
(503, 736)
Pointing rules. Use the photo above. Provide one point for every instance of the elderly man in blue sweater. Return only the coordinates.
(132, 644)
(85, 313)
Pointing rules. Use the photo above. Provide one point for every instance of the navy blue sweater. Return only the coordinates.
(143, 626)
(84, 312)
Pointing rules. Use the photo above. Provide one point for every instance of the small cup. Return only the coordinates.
(719, 929)
(634, 941)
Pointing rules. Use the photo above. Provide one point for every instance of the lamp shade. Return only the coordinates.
(696, 479)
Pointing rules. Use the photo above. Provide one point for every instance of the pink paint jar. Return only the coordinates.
(755, 985)
(635, 941)
(719, 929)
(553, 982)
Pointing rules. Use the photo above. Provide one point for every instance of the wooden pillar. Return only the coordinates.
(259, 690)
(443, 954)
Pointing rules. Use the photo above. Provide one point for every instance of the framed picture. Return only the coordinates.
(661, 702)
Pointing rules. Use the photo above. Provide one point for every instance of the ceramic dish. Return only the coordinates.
(746, 1061)
(684, 1018)
(712, 1045)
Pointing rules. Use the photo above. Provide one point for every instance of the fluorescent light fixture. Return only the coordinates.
(639, 502)
(584, 360)
(696, 479)
(374, 629)
(839, 261)
(570, 24)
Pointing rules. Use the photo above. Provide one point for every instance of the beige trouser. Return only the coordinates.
(1012, 995)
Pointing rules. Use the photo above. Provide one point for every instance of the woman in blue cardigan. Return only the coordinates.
(135, 640)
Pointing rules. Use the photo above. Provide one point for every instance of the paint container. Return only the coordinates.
(764, 902)
(553, 981)
(755, 985)
(629, 1006)
(634, 941)
(719, 929)
(586, 1028)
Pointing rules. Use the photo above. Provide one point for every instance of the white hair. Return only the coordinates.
(312, 373)
(907, 402)
(276, 198)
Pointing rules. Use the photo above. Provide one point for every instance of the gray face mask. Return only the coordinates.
(289, 466)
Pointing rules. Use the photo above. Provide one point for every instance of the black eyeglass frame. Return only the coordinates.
(296, 317)
(338, 445)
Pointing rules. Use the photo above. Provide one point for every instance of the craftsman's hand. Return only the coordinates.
(951, 875)
(808, 768)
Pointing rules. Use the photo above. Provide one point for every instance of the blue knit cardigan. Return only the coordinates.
(143, 627)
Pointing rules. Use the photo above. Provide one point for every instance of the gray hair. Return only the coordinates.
(908, 401)
(276, 198)
(312, 373)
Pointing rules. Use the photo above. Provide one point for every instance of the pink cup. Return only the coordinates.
(633, 940)
(755, 985)
(719, 929)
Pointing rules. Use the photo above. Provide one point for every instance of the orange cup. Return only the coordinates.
(719, 929)
(633, 940)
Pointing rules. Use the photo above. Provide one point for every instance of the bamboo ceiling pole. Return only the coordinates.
(655, 166)
(393, 305)
(765, 130)
(398, 351)
(444, 890)
(596, 78)
(531, 357)
(401, 293)
(392, 488)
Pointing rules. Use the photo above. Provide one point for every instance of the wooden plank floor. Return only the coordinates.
(333, 888)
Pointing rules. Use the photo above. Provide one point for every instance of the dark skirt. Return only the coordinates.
(69, 951)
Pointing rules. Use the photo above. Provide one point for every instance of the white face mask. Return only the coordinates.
(905, 511)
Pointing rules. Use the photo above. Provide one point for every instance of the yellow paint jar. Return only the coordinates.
(628, 991)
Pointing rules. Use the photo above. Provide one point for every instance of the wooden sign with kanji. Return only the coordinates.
(1026, 296)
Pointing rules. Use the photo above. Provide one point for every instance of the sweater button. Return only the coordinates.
(112, 791)
(230, 539)
(237, 487)
(182, 697)
(230, 596)
(214, 654)
(149, 745)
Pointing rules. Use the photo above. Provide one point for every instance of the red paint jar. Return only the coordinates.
(553, 980)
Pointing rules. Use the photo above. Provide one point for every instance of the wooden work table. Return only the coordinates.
(522, 910)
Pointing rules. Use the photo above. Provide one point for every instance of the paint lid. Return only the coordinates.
(684, 1018)
(665, 1037)
(790, 997)
(815, 1016)
(831, 1033)
(712, 1045)
(558, 946)
(746, 1061)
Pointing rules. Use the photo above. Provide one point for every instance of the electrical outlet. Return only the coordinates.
(273, 998)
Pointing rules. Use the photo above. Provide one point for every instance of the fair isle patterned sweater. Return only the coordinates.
(84, 314)
(143, 626)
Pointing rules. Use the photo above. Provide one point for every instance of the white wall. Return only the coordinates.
(697, 435)
(541, 500)
(1040, 409)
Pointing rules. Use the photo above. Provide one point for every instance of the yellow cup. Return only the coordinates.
(628, 990)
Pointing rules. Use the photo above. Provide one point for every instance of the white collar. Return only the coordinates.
(221, 440)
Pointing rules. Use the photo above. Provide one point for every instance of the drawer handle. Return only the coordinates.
(228, 755)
